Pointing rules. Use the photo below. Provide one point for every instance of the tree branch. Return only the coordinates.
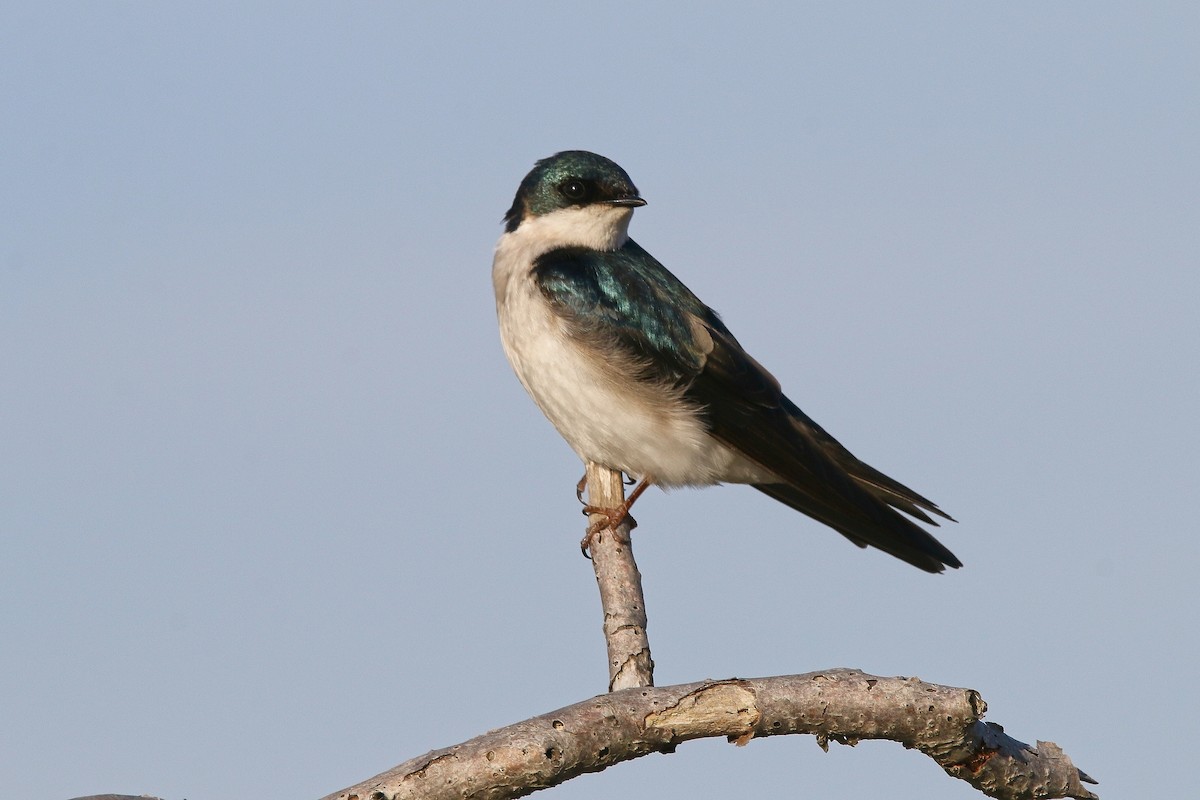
(838, 705)
(635, 719)
(629, 662)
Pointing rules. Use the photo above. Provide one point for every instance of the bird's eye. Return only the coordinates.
(574, 189)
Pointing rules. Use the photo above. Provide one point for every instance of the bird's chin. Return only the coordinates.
(610, 227)
(620, 230)
(596, 227)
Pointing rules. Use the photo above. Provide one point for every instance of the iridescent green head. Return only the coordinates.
(571, 178)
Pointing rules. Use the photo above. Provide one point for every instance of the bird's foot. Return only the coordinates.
(611, 519)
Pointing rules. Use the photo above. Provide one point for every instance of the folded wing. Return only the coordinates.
(628, 301)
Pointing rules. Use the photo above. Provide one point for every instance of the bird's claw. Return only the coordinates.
(610, 519)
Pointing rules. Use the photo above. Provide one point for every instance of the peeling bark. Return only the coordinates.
(629, 662)
(635, 719)
(839, 705)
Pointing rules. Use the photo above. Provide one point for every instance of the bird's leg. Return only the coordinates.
(579, 487)
(613, 517)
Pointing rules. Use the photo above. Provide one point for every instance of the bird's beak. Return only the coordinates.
(632, 201)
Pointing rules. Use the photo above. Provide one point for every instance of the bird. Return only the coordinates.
(638, 375)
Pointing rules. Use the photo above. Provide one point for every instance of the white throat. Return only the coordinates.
(596, 226)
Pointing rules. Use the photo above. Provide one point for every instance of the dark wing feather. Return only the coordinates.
(819, 477)
(628, 301)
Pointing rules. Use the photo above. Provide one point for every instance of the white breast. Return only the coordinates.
(605, 414)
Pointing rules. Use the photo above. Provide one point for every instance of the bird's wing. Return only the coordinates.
(819, 477)
(626, 302)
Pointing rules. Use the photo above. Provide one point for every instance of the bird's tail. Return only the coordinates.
(887, 530)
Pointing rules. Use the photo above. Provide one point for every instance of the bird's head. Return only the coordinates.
(585, 199)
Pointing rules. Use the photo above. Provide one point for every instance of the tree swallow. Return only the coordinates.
(638, 375)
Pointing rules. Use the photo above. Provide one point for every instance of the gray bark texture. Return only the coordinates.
(840, 705)
(620, 583)
(635, 719)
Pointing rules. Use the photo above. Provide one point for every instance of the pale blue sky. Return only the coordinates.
(275, 515)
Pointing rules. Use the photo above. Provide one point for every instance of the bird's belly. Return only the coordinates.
(610, 417)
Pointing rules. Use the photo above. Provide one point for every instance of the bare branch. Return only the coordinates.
(838, 705)
(635, 719)
(629, 662)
